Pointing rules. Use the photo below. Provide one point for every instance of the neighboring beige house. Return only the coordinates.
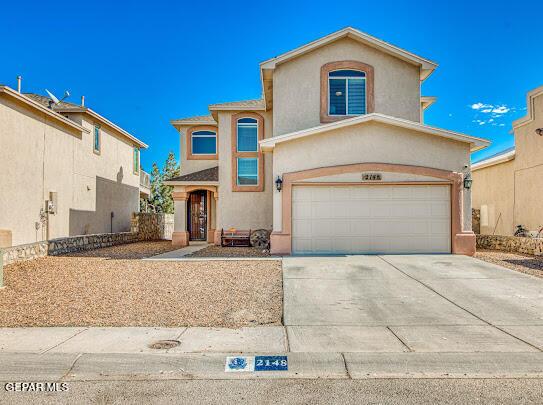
(507, 187)
(66, 170)
(340, 125)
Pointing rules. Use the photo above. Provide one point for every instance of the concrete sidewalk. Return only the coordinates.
(90, 354)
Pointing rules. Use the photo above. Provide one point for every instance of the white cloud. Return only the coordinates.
(493, 109)
(502, 109)
(478, 106)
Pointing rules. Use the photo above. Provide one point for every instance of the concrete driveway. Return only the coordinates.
(411, 303)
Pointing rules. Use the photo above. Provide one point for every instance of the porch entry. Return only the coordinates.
(197, 215)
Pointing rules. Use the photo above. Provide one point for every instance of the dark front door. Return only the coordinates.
(198, 215)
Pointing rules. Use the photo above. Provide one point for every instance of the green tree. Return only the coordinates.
(155, 199)
(171, 169)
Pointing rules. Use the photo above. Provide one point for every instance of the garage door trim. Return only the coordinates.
(462, 242)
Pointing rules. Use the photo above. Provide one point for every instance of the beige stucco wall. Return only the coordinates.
(296, 85)
(514, 188)
(528, 208)
(373, 142)
(190, 166)
(40, 156)
(492, 193)
(242, 210)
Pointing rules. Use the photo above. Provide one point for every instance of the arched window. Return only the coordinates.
(346, 92)
(247, 158)
(204, 142)
(247, 135)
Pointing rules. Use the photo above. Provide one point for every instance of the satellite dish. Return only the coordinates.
(54, 99)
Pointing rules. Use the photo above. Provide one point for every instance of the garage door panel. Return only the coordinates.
(322, 245)
(354, 209)
(321, 209)
(441, 209)
(439, 227)
(301, 228)
(371, 219)
(322, 228)
(302, 194)
(360, 227)
(340, 228)
(301, 209)
(302, 245)
(342, 245)
(379, 209)
(342, 209)
(320, 193)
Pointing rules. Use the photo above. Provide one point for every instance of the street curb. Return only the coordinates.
(211, 366)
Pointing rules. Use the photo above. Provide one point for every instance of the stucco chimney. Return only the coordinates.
(82, 101)
(19, 80)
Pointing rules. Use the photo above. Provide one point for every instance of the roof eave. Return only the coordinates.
(426, 66)
(476, 144)
(104, 120)
(54, 114)
(507, 157)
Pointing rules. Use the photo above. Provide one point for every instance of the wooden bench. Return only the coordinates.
(235, 238)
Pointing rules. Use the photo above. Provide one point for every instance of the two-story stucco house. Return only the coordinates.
(65, 170)
(334, 158)
(507, 186)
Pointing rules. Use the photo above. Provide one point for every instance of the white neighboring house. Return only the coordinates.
(65, 170)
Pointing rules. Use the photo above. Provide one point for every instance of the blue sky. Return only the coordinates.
(143, 63)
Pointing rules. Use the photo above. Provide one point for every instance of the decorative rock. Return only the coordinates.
(531, 246)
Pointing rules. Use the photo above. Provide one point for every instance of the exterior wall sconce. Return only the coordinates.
(539, 131)
(279, 183)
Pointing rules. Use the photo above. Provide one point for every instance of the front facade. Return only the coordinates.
(507, 186)
(66, 170)
(333, 159)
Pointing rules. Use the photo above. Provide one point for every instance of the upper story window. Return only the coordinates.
(347, 92)
(247, 135)
(347, 89)
(136, 161)
(97, 141)
(247, 157)
(204, 143)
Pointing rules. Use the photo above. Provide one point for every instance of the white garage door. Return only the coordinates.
(371, 219)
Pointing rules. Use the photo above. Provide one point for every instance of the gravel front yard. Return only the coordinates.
(515, 261)
(112, 287)
(219, 251)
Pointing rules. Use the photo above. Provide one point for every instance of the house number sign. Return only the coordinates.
(371, 177)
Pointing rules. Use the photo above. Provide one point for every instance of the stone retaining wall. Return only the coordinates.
(88, 242)
(151, 226)
(22, 253)
(531, 246)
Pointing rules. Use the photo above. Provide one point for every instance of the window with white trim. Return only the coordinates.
(204, 142)
(346, 92)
